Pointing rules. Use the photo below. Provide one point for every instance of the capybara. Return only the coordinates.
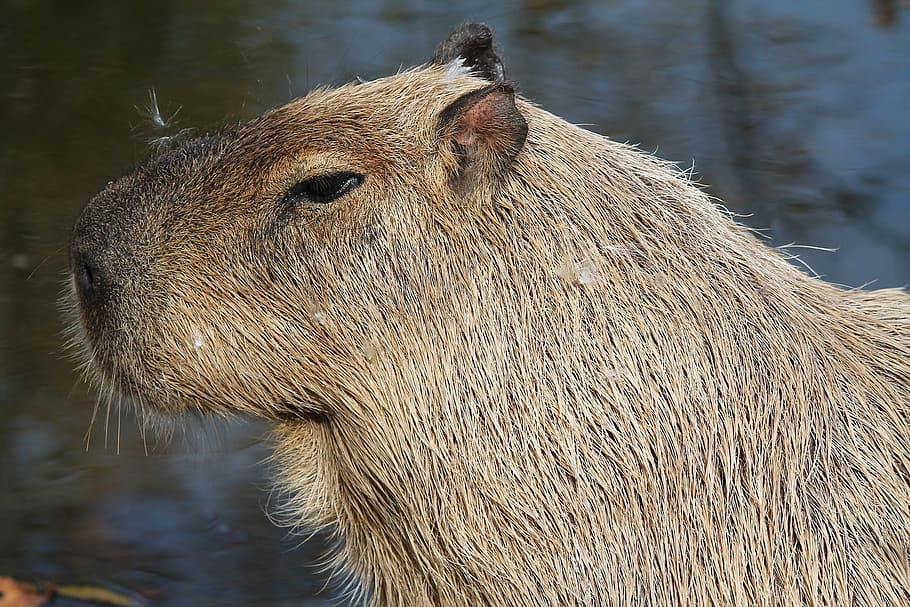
(509, 361)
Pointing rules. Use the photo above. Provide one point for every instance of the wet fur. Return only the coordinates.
(574, 381)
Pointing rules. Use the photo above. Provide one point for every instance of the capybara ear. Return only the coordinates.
(487, 131)
(473, 43)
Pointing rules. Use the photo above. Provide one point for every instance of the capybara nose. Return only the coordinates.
(91, 258)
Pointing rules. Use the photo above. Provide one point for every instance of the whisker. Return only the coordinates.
(119, 420)
(141, 421)
(37, 267)
(91, 425)
(108, 396)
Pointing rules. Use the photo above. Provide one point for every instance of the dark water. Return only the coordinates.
(797, 113)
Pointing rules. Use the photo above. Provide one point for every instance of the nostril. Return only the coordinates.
(87, 277)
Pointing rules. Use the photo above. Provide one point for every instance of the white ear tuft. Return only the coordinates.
(456, 68)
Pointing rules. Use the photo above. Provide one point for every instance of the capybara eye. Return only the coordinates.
(323, 188)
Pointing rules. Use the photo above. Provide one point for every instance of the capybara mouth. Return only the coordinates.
(102, 365)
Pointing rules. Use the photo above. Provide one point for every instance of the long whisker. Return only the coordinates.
(91, 425)
(119, 420)
(142, 422)
(109, 398)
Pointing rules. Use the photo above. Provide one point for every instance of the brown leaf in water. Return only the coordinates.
(21, 594)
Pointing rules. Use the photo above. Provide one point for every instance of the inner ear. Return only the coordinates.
(487, 129)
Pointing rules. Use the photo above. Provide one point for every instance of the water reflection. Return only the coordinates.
(794, 112)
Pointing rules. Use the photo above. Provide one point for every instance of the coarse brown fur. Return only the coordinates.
(556, 374)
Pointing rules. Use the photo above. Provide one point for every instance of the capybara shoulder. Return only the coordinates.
(509, 361)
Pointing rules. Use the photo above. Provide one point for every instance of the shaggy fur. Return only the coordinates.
(556, 377)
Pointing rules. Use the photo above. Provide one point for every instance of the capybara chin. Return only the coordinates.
(509, 361)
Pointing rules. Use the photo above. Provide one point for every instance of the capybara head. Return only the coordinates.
(509, 361)
(249, 270)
